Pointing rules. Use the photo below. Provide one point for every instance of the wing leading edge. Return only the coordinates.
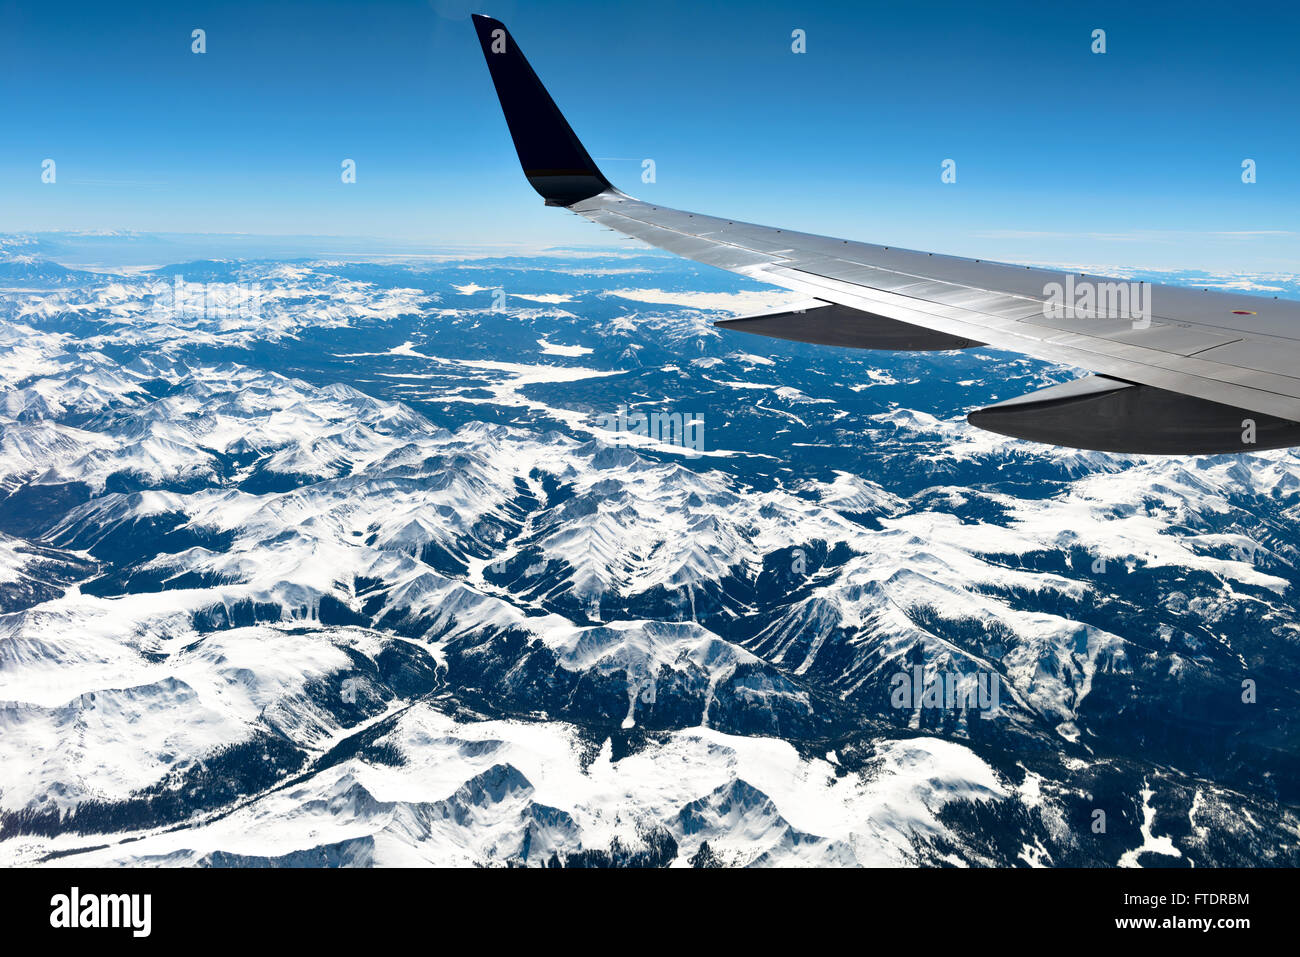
(1196, 371)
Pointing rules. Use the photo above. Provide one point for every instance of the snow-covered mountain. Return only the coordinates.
(332, 563)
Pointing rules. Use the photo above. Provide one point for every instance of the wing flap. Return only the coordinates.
(832, 324)
(1108, 415)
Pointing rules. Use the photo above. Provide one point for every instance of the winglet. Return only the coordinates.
(554, 160)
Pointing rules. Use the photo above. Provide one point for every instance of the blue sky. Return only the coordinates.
(1131, 157)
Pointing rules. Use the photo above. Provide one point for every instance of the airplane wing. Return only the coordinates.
(1176, 370)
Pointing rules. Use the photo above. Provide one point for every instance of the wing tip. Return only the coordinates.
(554, 160)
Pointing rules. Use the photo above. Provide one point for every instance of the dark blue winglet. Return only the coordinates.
(554, 161)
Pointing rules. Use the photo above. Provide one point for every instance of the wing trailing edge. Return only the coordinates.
(1109, 415)
(831, 324)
